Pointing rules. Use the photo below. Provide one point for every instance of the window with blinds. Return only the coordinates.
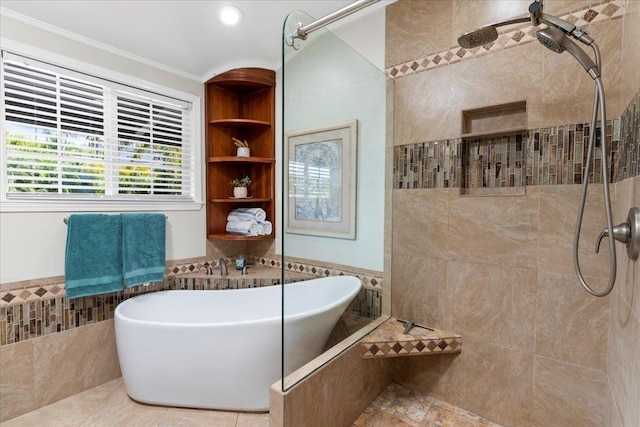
(73, 135)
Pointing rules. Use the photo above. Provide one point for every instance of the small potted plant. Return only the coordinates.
(243, 147)
(240, 187)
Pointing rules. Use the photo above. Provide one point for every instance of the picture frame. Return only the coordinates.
(320, 181)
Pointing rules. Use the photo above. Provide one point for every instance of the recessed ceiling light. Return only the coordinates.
(230, 15)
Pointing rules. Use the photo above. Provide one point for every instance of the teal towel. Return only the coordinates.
(93, 256)
(143, 250)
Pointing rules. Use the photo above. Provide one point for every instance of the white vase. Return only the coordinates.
(240, 192)
(243, 152)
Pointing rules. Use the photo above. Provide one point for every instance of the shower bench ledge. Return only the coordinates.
(388, 340)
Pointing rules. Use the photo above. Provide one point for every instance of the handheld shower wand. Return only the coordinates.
(555, 37)
(555, 40)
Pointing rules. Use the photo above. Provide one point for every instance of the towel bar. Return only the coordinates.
(66, 219)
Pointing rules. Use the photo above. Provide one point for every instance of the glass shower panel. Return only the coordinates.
(334, 107)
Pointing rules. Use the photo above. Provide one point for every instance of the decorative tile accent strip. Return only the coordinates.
(629, 153)
(41, 310)
(606, 10)
(558, 155)
(369, 280)
(388, 340)
(435, 164)
(28, 320)
(546, 156)
(368, 302)
(494, 162)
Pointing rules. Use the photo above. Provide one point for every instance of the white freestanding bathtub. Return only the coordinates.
(222, 349)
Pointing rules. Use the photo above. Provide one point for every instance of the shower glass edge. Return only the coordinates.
(326, 82)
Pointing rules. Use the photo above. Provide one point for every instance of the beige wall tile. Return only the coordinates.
(568, 89)
(423, 110)
(571, 325)
(493, 381)
(611, 416)
(73, 361)
(558, 214)
(348, 382)
(492, 304)
(624, 359)
(566, 395)
(426, 374)
(419, 290)
(421, 223)
(630, 51)
(498, 78)
(471, 14)
(561, 7)
(16, 380)
(634, 277)
(499, 231)
(418, 29)
(626, 283)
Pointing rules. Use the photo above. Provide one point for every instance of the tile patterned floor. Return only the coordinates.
(109, 406)
(399, 406)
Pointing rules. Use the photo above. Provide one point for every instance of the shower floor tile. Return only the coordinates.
(109, 406)
(400, 406)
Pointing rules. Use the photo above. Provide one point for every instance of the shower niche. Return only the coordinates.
(494, 150)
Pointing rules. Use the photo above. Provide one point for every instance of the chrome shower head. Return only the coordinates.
(551, 39)
(488, 33)
(556, 40)
(478, 37)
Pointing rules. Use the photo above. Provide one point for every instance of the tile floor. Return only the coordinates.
(399, 406)
(109, 406)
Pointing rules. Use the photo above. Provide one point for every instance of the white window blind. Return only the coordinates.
(72, 135)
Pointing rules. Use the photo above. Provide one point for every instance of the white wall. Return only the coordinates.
(32, 244)
(322, 91)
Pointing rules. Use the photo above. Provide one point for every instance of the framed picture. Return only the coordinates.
(321, 181)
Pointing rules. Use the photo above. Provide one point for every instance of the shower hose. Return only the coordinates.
(598, 102)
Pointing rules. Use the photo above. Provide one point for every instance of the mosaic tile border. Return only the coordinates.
(388, 340)
(42, 310)
(628, 163)
(545, 156)
(604, 11)
(368, 302)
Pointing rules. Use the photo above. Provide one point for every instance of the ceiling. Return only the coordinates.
(184, 37)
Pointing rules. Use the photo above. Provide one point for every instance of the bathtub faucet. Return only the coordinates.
(222, 263)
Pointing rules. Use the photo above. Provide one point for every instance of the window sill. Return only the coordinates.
(97, 205)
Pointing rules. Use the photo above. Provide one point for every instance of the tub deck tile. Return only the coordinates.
(388, 340)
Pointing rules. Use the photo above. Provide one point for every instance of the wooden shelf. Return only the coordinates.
(236, 159)
(240, 123)
(238, 237)
(239, 104)
(247, 200)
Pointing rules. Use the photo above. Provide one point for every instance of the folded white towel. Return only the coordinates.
(246, 228)
(267, 227)
(257, 214)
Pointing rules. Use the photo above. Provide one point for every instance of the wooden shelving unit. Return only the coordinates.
(240, 104)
